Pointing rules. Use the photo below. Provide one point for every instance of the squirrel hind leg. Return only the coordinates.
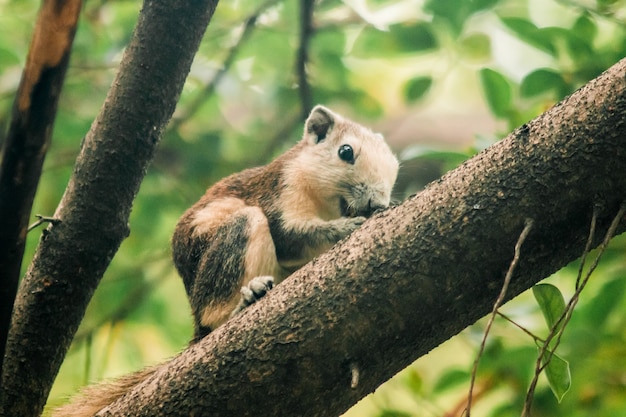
(261, 263)
(244, 251)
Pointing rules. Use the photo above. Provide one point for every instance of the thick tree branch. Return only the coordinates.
(27, 141)
(413, 276)
(95, 208)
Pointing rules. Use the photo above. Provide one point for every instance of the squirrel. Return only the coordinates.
(254, 228)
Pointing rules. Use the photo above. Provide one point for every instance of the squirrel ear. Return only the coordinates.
(319, 123)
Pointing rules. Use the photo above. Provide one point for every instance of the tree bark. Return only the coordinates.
(94, 211)
(28, 139)
(413, 276)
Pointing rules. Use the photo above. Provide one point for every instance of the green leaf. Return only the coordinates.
(414, 381)
(558, 375)
(331, 41)
(585, 28)
(331, 69)
(399, 39)
(541, 81)
(550, 301)
(415, 37)
(417, 88)
(455, 12)
(608, 301)
(531, 34)
(393, 413)
(581, 49)
(476, 47)
(497, 91)
(451, 379)
(606, 6)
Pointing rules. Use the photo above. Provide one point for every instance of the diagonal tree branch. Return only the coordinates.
(94, 211)
(413, 276)
(28, 139)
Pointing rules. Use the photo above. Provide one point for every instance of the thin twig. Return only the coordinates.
(557, 330)
(43, 219)
(507, 279)
(479, 392)
(209, 89)
(522, 328)
(306, 32)
(592, 232)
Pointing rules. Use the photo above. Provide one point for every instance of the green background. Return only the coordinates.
(441, 79)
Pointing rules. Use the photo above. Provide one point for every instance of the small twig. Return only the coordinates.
(507, 279)
(306, 32)
(209, 89)
(480, 391)
(592, 232)
(43, 219)
(556, 332)
(522, 328)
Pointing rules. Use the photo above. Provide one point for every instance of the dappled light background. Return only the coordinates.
(441, 79)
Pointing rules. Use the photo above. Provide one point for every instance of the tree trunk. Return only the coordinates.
(73, 255)
(413, 276)
(28, 140)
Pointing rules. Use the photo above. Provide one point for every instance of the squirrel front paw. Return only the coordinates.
(251, 293)
(346, 225)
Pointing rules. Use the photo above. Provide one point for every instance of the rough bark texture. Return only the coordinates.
(413, 276)
(28, 139)
(94, 211)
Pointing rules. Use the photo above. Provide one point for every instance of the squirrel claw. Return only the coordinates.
(255, 290)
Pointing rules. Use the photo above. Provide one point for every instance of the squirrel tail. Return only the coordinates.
(94, 398)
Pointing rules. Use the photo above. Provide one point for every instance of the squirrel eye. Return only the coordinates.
(346, 153)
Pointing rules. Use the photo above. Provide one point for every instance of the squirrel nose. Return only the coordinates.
(373, 206)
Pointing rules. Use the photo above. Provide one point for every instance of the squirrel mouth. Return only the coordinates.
(348, 210)
(344, 208)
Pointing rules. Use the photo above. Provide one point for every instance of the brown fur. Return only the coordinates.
(94, 398)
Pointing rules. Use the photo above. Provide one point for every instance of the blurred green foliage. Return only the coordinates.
(374, 60)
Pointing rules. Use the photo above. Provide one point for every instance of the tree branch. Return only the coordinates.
(209, 89)
(413, 276)
(95, 208)
(28, 139)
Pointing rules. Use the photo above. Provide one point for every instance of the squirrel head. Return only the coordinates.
(350, 167)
